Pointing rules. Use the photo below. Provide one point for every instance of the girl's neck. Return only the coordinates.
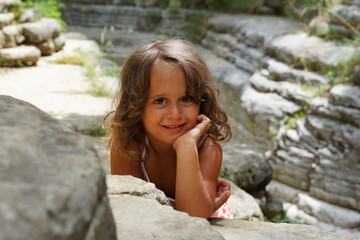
(162, 150)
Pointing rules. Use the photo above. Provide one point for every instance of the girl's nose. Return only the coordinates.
(174, 111)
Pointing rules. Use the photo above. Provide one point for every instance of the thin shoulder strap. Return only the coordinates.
(143, 159)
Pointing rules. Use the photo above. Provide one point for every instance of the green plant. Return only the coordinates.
(323, 8)
(48, 8)
(196, 30)
(303, 61)
(219, 4)
(97, 131)
(173, 6)
(224, 174)
(99, 89)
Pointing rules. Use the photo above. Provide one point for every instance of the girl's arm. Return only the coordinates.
(196, 177)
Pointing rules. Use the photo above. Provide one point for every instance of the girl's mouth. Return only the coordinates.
(174, 127)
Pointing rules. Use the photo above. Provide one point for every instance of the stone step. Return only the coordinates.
(278, 37)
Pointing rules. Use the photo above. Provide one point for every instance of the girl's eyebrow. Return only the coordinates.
(157, 96)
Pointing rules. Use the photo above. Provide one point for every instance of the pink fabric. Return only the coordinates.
(223, 212)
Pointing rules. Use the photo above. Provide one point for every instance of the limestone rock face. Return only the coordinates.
(51, 182)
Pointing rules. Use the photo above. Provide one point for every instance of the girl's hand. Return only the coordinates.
(194, 134)
(222, 193)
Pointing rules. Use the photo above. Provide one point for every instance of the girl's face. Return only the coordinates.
(169, 112)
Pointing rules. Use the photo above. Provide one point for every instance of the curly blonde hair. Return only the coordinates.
(124, 124)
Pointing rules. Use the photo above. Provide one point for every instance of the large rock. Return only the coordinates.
(51, 182)
(12, 57)
(37, 32)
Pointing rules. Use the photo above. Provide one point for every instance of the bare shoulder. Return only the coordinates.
(123, 164)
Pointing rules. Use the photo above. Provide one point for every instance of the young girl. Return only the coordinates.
(167, 125)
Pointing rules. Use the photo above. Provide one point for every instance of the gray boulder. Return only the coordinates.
(51, 181)
(37, 32)
(11, 57)
(247, 169)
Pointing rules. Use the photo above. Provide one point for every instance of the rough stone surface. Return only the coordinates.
(120, 185)
(52, 185)
(140, 218)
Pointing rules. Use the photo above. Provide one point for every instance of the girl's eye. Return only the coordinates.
(160, 101)
(186, 99)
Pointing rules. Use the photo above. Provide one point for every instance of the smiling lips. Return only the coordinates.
(174, 127)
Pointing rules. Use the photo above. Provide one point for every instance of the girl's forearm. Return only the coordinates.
(191, 194)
